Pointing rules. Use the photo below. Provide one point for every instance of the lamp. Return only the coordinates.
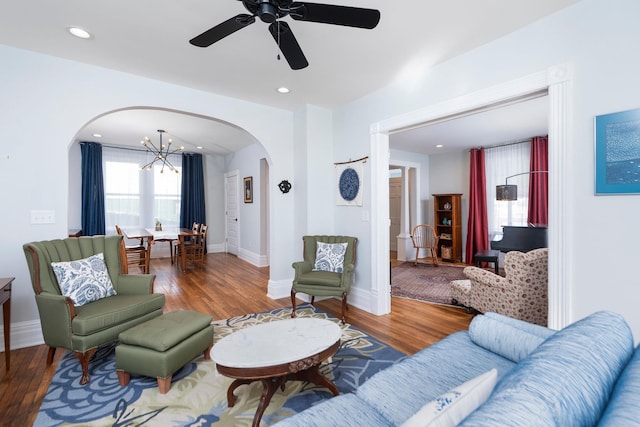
(510, 191)
(161, 152)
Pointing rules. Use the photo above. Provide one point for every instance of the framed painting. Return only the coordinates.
(248, 189)
(617, 138)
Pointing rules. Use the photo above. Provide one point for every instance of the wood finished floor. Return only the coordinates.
(227, 286)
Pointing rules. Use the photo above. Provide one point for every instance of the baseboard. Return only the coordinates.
(215, 248)
(253, 258)
(279, 289)
(24, 334)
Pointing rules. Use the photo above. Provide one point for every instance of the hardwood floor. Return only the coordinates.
(226, 287)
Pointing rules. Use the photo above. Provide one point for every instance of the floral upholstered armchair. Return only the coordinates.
(522, 293)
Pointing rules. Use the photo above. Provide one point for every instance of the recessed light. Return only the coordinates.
(439, 146)
(199, 147)
(97, 135)
(283, 89)
(79, 32)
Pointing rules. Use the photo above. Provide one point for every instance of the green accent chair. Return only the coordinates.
(323, 283)
(82, 329)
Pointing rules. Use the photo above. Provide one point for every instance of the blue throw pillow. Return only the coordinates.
(84, 280)
(330, 257)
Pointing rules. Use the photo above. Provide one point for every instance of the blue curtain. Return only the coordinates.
(192, 194)
(93, 212)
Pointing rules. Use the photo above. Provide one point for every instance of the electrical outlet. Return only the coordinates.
(43, 217)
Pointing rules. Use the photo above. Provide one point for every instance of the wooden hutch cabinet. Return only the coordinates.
(448, 224)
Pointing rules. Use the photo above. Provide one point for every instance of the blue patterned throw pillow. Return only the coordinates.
(84, 280)
(330, 257)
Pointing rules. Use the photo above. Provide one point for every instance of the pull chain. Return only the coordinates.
(278, 29)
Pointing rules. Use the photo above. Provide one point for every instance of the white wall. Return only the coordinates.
(449, 173)
(44, 102)
(247, 163)
(595, 37)
(214, 170)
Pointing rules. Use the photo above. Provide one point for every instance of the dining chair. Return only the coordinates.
(194, 252)
(195, 228)
(137, 255)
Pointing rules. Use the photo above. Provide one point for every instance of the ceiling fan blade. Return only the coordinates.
(288, 44)
(222, 30)
(337, 15)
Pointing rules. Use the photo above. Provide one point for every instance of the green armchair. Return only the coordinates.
(315, 282)
(82, 329)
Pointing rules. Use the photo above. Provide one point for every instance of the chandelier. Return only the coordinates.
(161, 152)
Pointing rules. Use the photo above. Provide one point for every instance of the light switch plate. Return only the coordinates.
(43, 217)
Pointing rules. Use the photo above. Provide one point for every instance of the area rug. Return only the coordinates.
(425, 282)
(198, 394)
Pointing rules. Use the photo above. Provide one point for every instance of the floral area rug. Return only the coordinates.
(198, 394)
(425, 282)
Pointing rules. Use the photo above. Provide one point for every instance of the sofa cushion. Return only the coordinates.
(504, 336)
(340, 411)
(448, 409)
(330, 257)
(538, 330)
(566, 381)
(107, 312)
(84, 280)
(624, 405)
(321, 278)
(401, 390)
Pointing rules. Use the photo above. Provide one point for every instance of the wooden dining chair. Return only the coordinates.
(195, 228)
(137, 255)
(194, 252)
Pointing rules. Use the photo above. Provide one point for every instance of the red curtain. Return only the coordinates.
(478, 226)
(539, 182)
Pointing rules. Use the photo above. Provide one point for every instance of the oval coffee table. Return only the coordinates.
(275, 353)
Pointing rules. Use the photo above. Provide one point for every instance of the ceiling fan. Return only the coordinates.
(271, 11)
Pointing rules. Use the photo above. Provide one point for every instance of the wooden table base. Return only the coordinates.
(271, 385)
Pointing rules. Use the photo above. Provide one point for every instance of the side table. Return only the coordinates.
(487, 256)
(5, 301)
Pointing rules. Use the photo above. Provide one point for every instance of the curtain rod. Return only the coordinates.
(505, 144)
(141, 150)
(121, 147)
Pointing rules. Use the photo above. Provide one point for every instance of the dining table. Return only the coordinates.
(173, 235)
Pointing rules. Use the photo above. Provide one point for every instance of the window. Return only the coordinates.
(136, 198)
(501, 162)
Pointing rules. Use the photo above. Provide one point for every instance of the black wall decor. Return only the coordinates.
(284, 186)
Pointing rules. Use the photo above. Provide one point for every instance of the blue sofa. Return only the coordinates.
(586, 374)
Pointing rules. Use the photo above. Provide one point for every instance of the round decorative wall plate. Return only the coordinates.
(349, 184)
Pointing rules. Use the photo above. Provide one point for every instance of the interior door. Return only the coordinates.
(231, 186)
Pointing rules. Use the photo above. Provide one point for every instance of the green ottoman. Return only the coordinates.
(161, 346)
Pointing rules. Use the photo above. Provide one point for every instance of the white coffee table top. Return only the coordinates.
(275, 343)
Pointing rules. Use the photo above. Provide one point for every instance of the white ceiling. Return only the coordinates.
(501, 125)
(150, 38)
